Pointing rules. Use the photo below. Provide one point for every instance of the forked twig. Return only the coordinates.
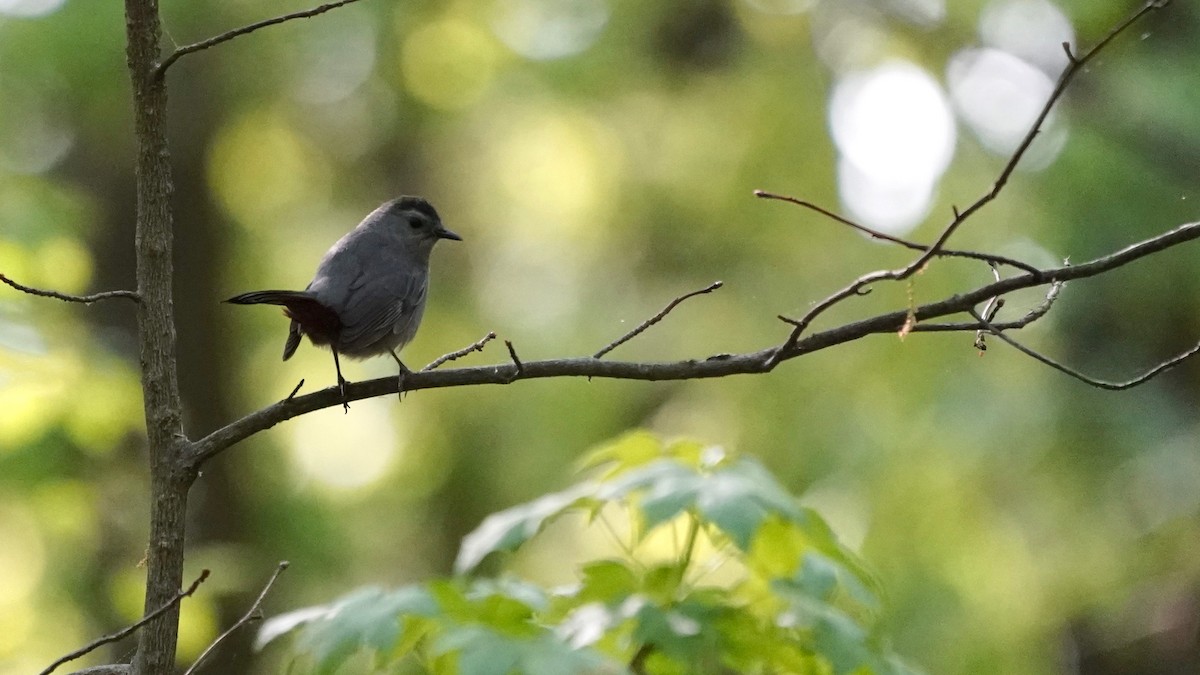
(251, 614)
(458, 354)
(960, 216)
(244, 30)
(85, 299)
(884, 236)
(1032, 315)
(1099, 384)
(130, 629)
(655, 319)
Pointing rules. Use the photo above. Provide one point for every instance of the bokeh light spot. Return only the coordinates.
(335, 60)
(346, 453)
(555, 169)
(448, 64)
(999, 96)
(895, 135)
(260, 167)
(33, 135)
(29, 8)
(65, 263)
(1032, 30)
(22, 557)
(549, 29)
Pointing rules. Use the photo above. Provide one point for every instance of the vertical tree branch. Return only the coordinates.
(156, 331)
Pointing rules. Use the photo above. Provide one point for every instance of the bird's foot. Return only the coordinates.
(342, 387)
(400, 379)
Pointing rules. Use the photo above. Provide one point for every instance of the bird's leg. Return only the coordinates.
(341, 381)
(404, 372)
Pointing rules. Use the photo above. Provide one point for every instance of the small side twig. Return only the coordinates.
(130, 629)
(1074, 65)
(960, 216)
(655, 319)
(1067, 370)
(244, 30)
(1032, 315)
(252, 614)
(989, 313)
(295, 389)
(85, 299)
(883, 236)
(512, 353)
(455, 355)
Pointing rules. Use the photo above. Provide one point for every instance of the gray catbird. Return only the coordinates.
(368, 294)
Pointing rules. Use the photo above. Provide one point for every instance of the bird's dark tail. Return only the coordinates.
(309, 317)
(270, 298)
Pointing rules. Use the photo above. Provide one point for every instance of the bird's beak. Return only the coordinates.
(443, 233)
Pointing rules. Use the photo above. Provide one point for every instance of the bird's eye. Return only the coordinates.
(416, 223)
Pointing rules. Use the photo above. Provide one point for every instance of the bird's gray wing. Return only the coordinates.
(382, 310)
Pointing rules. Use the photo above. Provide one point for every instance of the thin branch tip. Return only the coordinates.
(161, 69)
(476, 346)
(252, 614)
(132, 628)
(67, 297)
(655, 319)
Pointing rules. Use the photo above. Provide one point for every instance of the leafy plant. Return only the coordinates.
(757, 583)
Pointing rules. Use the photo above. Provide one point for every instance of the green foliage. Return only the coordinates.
(797, 602)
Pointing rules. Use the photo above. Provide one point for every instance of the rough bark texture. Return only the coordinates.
(156, 329)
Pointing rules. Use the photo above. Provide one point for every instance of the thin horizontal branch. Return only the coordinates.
(174, 56)
(131, 629)
(654, 319)
(883, 236)
(85, 299)
(717, 366)
(1031, 316)
(251, 614)
(1100, 384)
(458, 354)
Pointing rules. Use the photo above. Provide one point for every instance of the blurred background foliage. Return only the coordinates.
(598, 156)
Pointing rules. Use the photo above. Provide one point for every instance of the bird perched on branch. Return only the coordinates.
(368, 294)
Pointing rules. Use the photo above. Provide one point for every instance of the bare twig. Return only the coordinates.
(251, 614)
(132, 628)
(960, 216)
(520, 367)
(989, 312)
(1100, 384)
(85, 299)
(455, 355)
(655, 319)
(244, 30)
(1032, 315)
(751, 362)
(295, 389)
(1074, 65)
(883, 236)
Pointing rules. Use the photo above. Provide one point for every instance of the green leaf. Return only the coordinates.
(662, 582)
(630, 451)
(368, 618)
(482, 651)
(606, 581)
(692, 453)
(506, 530)
(777, 548)
(739, 496)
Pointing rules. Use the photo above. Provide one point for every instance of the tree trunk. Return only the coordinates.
(156, 331)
